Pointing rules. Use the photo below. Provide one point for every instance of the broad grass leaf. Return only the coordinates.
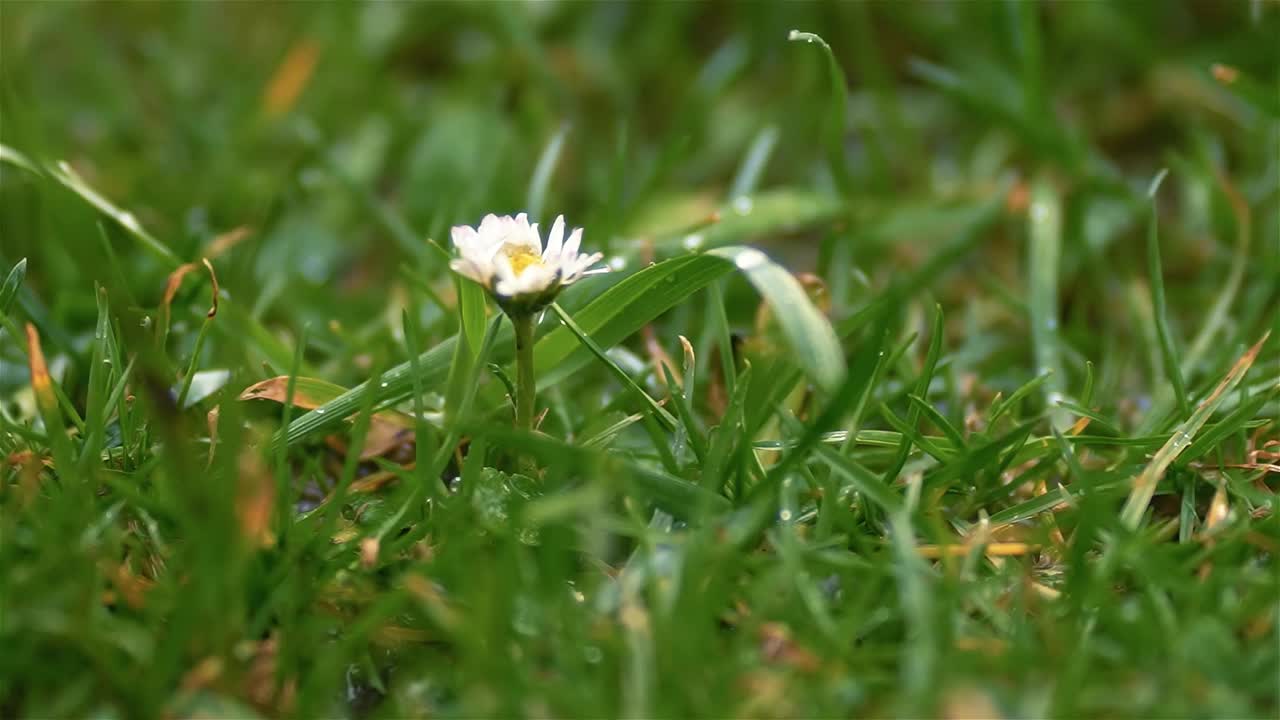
(807, 330)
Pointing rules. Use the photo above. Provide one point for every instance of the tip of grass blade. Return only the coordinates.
(807, 37)
(1156, 182)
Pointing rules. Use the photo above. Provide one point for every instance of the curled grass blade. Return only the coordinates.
(837, 104)
(806, 329)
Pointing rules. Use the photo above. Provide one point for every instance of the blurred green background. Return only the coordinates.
(311, 150)
(285, 118)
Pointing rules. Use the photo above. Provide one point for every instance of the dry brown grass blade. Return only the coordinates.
(174, 282)
(290, 78)
(227, 240)
(41, 383)
(998, 549)
(1219, 509)
(47, 403)
(213, 280)
(28, 464)
(1144, 485)
(1079, 426)
(255, 499)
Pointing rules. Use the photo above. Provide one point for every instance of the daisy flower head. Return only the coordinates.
(506, 256)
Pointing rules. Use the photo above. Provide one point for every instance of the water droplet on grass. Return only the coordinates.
(750, 259)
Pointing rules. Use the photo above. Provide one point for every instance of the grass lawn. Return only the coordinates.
(935, 372)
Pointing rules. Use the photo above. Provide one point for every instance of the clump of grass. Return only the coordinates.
(904, 396)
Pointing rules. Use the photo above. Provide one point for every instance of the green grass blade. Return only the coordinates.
(863, 480)
(909, 430)
(835, 122)
(542, 172)
(65, 174)
(1044, 242)
(610, 318)
(1155, 273)
(808, 331)
(12, 283)
(679, 497)
(650, 404)
(939, 420)
(1234, 422)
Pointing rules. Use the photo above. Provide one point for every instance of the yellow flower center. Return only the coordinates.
(522, 258)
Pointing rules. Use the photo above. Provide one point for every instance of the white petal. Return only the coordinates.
(505, 289)
(469, 270)
(555, 241)
(571, 245)
(502, 268)
(535, 279)
(575, 268)
(492, 225)
(463, 236)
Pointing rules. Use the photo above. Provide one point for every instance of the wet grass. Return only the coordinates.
(936, 375)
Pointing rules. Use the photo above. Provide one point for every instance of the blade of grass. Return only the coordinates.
(1144, 485)
(47, 402)
(284, 487)
(1236, 420)
(617, 313)
(1217, 316)
(722, 438)
(96, 395)
(939, 420)
(754, 162)
(65, 174)
(679, 497)
(922, 390)
(420, 429)
(863, 480)
(1172, 364)
(807, 330)
(834, 123)
(837, 407)
(1044, 254)
(542, 172)
(650, 404)
(12, 282)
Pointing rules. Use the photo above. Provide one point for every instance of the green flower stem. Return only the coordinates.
(526, 386)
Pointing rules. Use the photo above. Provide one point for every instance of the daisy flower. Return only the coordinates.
(506, 256)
